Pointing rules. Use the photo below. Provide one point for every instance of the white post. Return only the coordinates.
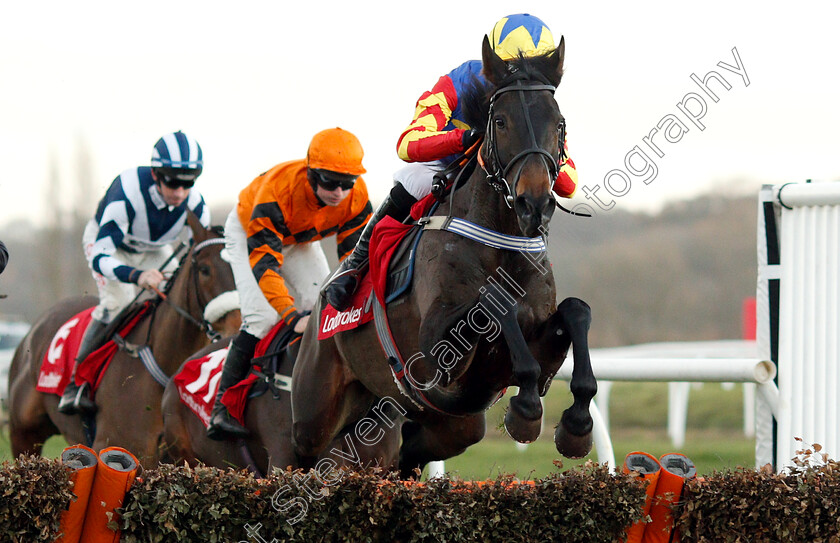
(749, 409)
(603, 399)
(601, 438)
(436, 469)
(767, 311)
(678, 411)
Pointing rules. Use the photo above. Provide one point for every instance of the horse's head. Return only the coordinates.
(524, 132)
(211, 278)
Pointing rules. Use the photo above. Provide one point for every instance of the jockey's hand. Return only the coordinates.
(300, 325)
(469, 137)
(150, 279)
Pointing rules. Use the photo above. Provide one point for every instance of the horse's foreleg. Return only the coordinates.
(29, 424)
(427, 441)
(325, 398)
(573, 436)
(523, 420)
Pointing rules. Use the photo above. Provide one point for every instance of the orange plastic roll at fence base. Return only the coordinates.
(676, 469)
(82, 461)
(114, 476)
(647, 467)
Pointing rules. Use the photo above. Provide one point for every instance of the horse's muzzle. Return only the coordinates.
(533, 213)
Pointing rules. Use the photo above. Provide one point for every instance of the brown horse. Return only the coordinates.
(128, 397)
(269, 419)
(478, 319)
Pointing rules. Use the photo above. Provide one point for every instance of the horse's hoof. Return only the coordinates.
(521, 429)
(570, 445)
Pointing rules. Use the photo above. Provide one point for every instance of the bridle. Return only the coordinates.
(143, 351)
(203, 325)
(497, 173)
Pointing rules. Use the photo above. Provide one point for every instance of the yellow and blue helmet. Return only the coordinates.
(521, 33)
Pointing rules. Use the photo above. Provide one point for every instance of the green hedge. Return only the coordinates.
(585, 504)
(204, 504)
(754, 506)
(33, 493)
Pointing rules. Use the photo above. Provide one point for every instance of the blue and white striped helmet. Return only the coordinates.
(178, 155)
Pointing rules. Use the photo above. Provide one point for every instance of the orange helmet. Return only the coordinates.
(336, 150)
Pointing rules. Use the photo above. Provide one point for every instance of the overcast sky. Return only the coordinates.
(253, 81)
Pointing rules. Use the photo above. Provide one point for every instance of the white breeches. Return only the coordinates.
(417, 177)
(304, 268)
(115, 295)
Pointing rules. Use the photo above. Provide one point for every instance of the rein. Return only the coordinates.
(204, 326)
(143, 352)
(496, 172)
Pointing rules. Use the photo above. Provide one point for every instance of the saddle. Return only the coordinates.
(59, 360)
(198, 380)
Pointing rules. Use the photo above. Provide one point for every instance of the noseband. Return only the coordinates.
(496, 172)
(204, 326)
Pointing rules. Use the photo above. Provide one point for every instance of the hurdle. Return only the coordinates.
(798, 298)
(696, 370)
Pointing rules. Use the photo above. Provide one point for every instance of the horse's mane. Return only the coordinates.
(475, 101)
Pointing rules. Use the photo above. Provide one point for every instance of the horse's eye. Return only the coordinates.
(500, 123)
(204, 270)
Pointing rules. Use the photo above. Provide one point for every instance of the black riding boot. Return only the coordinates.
(222, 424)
(76, 398)
(340, 289)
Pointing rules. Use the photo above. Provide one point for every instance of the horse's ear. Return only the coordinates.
(556, 58)
(198, 230)
(494, 68)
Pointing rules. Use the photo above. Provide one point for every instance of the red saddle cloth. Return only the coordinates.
(360, 311)
(198, 381)
(57, 366)
(383, 244)
(386, 240)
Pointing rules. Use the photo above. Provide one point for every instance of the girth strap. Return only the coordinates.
(144, 353)
(488, 237)
(399, 371)
(152, 366)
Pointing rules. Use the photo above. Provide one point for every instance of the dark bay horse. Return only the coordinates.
(478, 319)
(269, 419)
(128, 397)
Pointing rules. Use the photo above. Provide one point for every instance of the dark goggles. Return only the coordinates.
(175, 183)
(175, 178)
(330, 181)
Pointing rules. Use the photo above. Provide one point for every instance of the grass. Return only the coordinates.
(52, 448)
(715, 440)
(638, 418)
(709, 450)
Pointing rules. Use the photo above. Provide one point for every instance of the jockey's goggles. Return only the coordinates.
(175, 183)
(330, 181)
(175, 178)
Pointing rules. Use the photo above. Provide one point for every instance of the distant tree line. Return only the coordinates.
(681, 274)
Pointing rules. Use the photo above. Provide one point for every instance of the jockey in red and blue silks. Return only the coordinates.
(438, 133)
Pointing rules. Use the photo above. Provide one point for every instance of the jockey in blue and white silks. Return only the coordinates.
(131, 236)
(134, 218)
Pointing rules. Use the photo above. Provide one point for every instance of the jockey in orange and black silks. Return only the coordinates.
(272, 243)
(438, 133)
